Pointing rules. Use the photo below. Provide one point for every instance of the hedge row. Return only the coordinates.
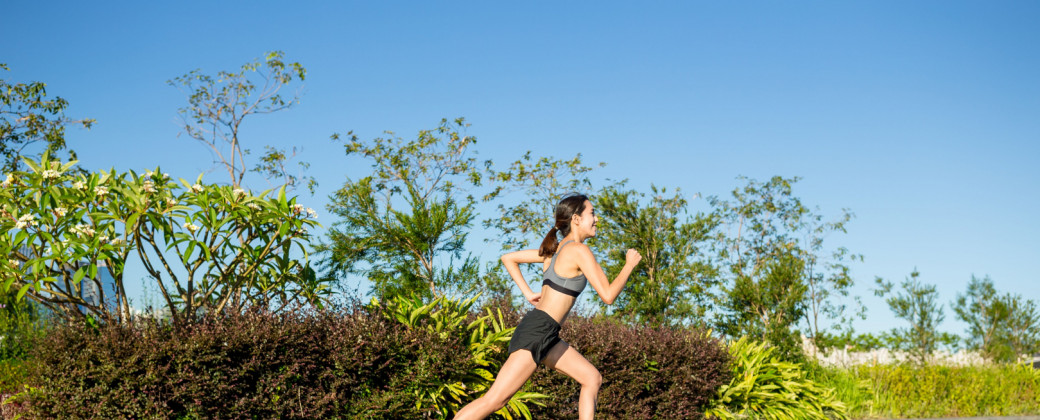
(922, 391)
(350, 363)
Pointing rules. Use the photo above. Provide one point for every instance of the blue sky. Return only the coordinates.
(921, 117)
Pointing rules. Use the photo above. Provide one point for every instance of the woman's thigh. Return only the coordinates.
(515, 371)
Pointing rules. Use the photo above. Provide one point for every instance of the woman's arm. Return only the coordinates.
(512, 262)
(598, 279)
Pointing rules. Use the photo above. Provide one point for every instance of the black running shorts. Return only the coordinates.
(537, 332)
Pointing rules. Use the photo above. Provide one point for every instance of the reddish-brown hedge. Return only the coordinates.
(350, 363)
(648, 373)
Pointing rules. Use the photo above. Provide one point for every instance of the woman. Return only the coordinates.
(568, 265)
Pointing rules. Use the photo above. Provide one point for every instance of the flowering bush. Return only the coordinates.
(207, 248)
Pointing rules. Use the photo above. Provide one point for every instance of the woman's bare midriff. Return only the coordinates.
(556, 304)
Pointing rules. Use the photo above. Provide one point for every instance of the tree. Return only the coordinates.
(917, 303)
(1023, 328)
(827, 280)
(984, 313)
(1002, 327)
(541, 183)
(674, 281)
(28, 117)
(401, 224)
(769, 253)
(217, 107)
(208, 249)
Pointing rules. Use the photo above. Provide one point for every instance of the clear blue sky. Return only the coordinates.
(921, 117)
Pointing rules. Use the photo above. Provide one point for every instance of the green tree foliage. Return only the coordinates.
(780, 271)
(540, 182)
(1002, 327)
(673, 283)
(27, 117)
(827, 280)
(918, 304)
(400, 225)
(766, 295)
(207, 248)
(218, 105)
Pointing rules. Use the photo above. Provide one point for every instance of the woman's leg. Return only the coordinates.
(515, 371)
(568, 361)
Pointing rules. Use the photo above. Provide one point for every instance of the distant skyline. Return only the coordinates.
(922, 118)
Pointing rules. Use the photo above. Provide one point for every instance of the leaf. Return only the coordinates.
(22, 291)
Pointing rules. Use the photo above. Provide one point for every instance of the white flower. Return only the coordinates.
(82, 230)
(149, 186)
(148, 173)
(60, 211)
(10, 180)
(170, 202)
(116, 242)
(79, 185)
(25, 220)
(297, 208)
(192, 228)
(253, 206)
(13, 263)
(51, 174)
(103, 238)
(101, 190)
(313, 214)
(196, 188)
(238, 192)
(165, 176)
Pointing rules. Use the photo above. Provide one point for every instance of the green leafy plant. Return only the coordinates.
(483, 337)
(764, 387)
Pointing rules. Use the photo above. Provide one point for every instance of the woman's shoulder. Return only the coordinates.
(575, 249)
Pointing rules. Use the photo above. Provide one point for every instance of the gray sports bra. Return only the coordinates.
(572, 286)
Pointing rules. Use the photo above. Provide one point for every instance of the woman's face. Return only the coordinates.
(585, 223)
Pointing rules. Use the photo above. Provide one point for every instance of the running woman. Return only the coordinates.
(568, 265)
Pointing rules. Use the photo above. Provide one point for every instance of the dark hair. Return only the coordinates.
(570, 205)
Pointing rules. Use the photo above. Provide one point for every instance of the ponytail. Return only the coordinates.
(570, 205)
(549, 244)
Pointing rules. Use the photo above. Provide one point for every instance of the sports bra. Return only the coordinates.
(572, 286)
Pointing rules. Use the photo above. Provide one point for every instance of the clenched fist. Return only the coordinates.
(632, 257)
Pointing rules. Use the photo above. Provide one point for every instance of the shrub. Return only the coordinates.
(647, 373)
(910, 390)
(346, 364)
(353, 362)
(764, 387)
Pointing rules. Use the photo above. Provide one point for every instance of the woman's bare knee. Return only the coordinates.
(593, 380)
